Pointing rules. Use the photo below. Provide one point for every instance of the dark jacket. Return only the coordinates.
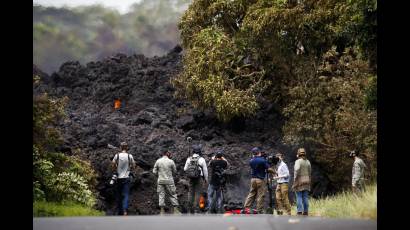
(217, 167)
(259, 166)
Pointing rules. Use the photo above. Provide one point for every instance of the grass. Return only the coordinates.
(346, 205)
(44, 209)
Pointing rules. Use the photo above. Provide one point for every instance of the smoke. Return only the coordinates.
(92, 33)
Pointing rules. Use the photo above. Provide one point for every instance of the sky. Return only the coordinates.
(121, 5)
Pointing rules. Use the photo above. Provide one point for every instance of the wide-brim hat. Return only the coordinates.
(301, 151)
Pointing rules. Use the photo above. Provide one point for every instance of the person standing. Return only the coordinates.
(302, 182)
(282, 187)
(357, 173)
(197, 172)
(217, 183)
(164, 168)
(259, 167)
(123, 162)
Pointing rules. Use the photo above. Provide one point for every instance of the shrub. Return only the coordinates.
(347, 205)
(43, 209)
(69, 186)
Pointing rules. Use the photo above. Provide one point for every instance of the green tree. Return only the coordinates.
(57, 177)
(313, 58)
(262, 38)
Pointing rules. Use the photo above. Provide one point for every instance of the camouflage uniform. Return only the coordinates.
(358, 175)
(164, 167)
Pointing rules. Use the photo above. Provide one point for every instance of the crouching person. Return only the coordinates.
(164, 168)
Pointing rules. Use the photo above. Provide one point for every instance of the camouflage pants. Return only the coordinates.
(358, 185)
(167, 189)
(257, 190)
(282, 198)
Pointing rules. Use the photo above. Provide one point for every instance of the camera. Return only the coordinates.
(272, 159)
(113, 179)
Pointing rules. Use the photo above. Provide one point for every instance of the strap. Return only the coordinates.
(129, 168)
(118, 159)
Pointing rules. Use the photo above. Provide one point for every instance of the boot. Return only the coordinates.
(176, 211)
(305, 213)
(299, 213)
(162, 211)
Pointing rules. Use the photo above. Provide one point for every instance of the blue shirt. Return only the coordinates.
(259, 166)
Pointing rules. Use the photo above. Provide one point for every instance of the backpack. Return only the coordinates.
(193, 171)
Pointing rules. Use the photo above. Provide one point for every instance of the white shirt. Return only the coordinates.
(201, 163)
(283, 172)
(123, 170)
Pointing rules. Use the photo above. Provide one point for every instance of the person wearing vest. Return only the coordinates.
(282, 188)
(196, 185)
(164, 168)
(357, 173)
(123, 162)
(259, 167)
(301, 182)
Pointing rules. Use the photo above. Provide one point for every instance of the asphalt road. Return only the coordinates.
(205, 222)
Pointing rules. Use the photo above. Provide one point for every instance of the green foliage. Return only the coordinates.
(57, 177)
(371, 94)
(347, 205)
(327, 109)
(313, 59)
(263, 36)
(45, 209)
(215, 78)
(61, 181)
(47, 112)
(38, 194)
(75, 165)
(71, 186)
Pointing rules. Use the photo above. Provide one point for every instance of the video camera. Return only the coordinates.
(271, 158)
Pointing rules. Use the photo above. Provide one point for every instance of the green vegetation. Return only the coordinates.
(42, 209)
(62, 185)
(346, 205)
(93, 32)
(314, 59)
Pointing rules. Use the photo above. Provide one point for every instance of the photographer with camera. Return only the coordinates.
(259, 166)
(217, 165)
(282, 188)
(122, 163)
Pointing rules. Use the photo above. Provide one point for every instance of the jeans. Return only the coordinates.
(302, 201)
(195, 189)
(217, 191)
(123, 189)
